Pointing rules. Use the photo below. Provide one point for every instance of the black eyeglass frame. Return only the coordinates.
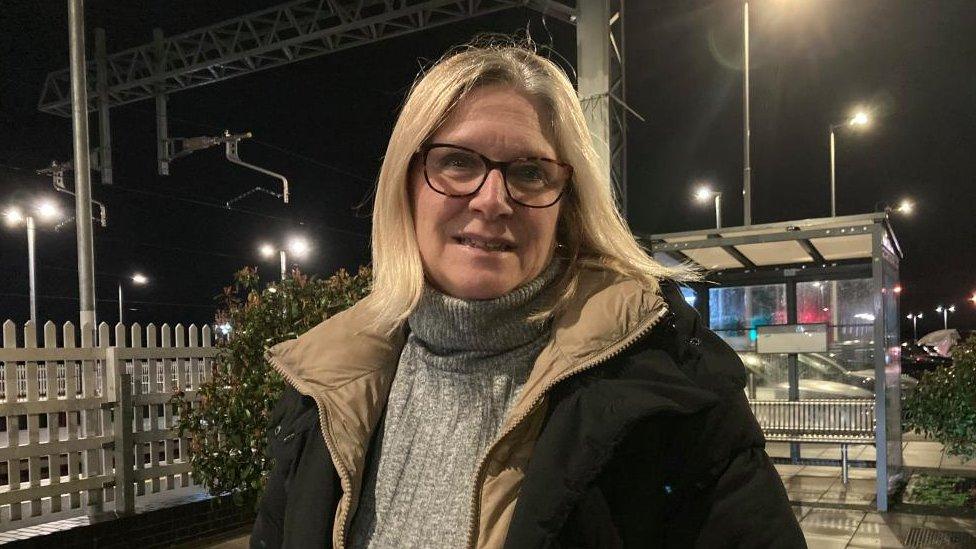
(490, 165)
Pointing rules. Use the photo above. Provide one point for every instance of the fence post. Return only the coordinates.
(120, 392)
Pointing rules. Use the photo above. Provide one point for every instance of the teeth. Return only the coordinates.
(492, 247)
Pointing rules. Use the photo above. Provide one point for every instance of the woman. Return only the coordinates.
(522, 374)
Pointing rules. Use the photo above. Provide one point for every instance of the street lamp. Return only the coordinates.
(859, 119)
(297, 246)
(137, 279)
(945, 314)
(746, 132)
(703, 194)
(45, 210)
(914, 318)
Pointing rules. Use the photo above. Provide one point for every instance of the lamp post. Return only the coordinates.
(137, 279)
(746, 133)
(914, 318)
(297, 246)
(945, 314)
(46, 211)
(703, 194)
(859, 119)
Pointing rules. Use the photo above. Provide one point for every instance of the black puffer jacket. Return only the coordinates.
(656, 448)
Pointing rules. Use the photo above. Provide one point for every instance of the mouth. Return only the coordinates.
(489, 245)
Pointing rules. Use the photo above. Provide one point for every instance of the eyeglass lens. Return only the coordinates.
(459, 172)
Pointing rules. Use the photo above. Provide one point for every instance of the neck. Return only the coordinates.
(447, 324)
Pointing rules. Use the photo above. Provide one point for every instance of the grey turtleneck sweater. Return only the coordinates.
(461, 369)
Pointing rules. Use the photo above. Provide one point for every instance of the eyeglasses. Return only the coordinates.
(458, 172)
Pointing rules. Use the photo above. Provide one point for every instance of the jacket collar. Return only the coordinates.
(348, 366)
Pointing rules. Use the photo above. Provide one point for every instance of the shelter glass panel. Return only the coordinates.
(846, 370)
(768, 376)
(895, 382)
(735, 311)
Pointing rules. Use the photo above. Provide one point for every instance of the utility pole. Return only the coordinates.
(79, 119)
(746, 132)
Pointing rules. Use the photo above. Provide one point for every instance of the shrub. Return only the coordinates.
(943, 406)
(227, 427)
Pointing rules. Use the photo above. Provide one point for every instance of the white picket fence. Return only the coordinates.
(83, 425)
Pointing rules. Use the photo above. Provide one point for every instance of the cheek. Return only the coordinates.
(431, 215)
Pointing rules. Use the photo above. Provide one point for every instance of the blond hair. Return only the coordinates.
(590, 233)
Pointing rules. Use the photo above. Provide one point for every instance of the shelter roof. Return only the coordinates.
(809, 241)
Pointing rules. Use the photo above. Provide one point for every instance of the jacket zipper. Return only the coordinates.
(345, 479)
(614, 350)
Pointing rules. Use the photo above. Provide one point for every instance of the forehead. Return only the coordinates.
(498, 121)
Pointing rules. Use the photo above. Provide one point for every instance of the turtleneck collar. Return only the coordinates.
(448, 325)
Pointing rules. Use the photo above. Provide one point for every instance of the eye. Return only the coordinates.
(458, 160)
(528, 173)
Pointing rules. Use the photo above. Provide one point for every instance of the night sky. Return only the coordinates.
(324, 123)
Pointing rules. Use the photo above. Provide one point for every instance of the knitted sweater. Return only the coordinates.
(461, 369)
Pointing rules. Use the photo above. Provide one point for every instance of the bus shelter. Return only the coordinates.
(771, 290)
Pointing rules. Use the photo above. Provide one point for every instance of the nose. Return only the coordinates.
(492, 200)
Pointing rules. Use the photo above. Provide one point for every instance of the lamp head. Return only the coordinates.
(298, 247)
(140, 279)
(704, 193)
(48, 210)
(860, 119)
(267, 250)
(906, 207)
(13, 216)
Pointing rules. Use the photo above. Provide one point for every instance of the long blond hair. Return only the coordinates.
(590, 233)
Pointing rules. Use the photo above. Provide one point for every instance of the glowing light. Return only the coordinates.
(224, 328)
(14, 216)
(140, 278)
(865, 316)
(298, 246)
(704, 193)
(860, 119)
(905, 207)
(47, 210)
(897, 289)
(267, 250)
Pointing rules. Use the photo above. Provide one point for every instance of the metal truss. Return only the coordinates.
(618, 105)
(267, 39)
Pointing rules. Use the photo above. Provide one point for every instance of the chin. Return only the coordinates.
(479, 287)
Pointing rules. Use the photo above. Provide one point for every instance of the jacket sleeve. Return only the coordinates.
(268, 530)
(732, 496)
(739, 500)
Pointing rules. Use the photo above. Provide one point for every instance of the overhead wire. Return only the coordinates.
(106, 300)
(204, 203)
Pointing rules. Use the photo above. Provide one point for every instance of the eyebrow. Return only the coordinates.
(520, 152)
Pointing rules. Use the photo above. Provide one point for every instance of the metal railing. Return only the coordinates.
(838, 421)
(822, 420)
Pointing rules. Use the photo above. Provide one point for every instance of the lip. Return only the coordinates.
(491, 240)
(509, 245)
